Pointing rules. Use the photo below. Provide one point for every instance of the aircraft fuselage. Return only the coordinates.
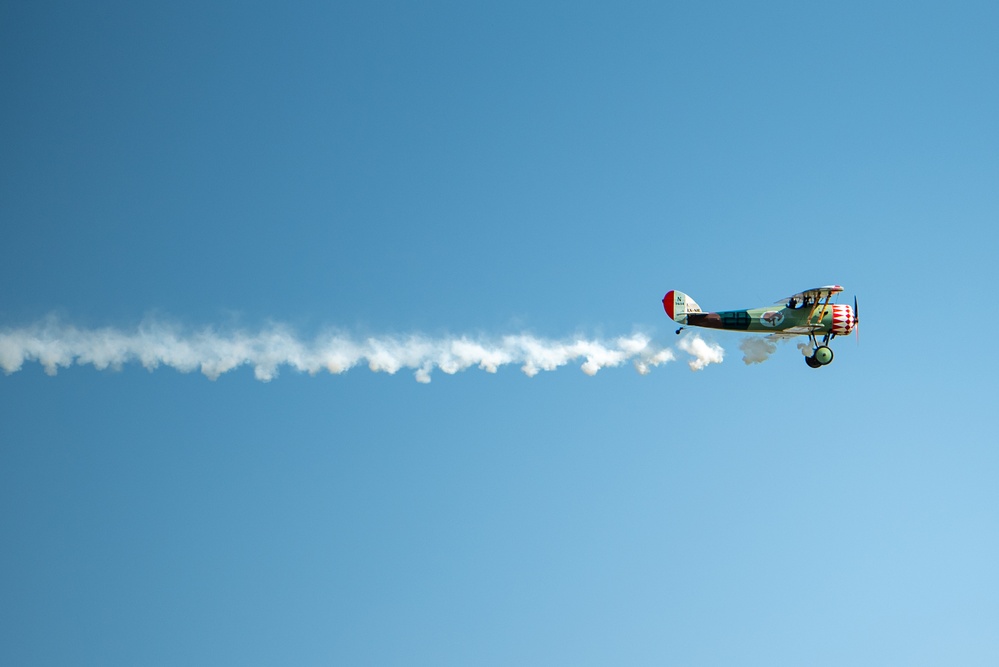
(836, 319)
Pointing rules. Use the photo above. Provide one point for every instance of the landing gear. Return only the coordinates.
(822, 354)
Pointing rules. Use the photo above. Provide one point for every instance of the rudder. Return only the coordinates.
(677, 305)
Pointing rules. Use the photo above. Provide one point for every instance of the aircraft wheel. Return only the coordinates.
(823, 355)
(812, 363)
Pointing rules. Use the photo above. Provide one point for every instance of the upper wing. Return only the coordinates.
(816, 294)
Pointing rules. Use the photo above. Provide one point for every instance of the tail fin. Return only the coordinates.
(677, 305)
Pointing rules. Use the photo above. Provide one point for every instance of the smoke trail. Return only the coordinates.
(55, 345)
(703, 353)
(757, 350)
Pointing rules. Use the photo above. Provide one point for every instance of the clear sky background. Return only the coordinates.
(457, 168)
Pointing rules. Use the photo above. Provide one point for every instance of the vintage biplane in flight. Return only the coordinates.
(807, 313)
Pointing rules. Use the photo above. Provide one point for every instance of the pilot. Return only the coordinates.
(793, 303)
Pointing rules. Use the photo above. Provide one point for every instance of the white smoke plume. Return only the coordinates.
(703, 353)
(55, 345)
(756, 350)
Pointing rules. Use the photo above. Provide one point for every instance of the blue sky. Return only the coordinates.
(551, 169)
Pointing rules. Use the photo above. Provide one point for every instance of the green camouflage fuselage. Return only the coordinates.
(772, 319)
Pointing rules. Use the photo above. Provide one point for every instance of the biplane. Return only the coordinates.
(809, 313)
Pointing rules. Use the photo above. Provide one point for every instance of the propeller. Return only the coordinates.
(856, 318)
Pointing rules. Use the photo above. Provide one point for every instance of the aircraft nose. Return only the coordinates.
(843, 320)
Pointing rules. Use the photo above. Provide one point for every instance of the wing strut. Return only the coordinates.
(825, 309)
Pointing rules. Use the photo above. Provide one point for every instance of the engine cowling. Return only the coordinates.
(843, 319)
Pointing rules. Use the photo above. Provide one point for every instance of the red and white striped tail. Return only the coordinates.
(677, 305)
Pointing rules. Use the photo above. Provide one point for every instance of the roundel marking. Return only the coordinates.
(772, 318)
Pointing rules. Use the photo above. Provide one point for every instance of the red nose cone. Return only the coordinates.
(668, 303)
